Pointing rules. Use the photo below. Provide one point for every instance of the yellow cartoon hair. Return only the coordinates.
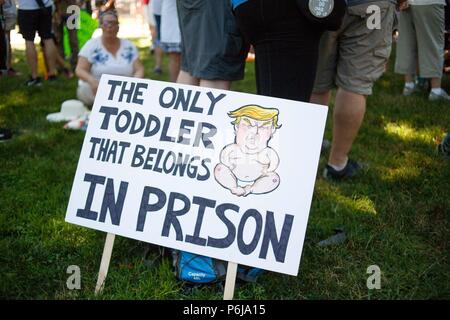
(255, 112)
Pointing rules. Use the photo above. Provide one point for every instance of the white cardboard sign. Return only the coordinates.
(218, 173)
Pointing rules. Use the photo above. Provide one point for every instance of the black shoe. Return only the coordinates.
(52, 78)
(444, 146)
(5, 134)
(350, 170)
(34, 82)
(158, 71)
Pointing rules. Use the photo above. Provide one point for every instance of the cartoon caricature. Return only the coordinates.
(248, 165)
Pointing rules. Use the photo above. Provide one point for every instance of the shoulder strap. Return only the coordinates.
(40, 3)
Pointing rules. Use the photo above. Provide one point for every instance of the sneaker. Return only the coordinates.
(350, 170)
(5, 134)
(12, 72)
(407, 91)
(158, 71)
(441, 96)
(52, 78)
(444, 147)
(34, 82)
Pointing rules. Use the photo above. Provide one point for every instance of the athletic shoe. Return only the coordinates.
(34, 82)
(407, 91)
(441, 96)
(350, 170)
(444, 146)
(158, 71)
(5, 134)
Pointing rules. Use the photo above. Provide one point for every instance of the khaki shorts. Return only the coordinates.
(355, 56)
(421, 41)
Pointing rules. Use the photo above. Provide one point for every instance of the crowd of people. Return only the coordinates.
(302, 52)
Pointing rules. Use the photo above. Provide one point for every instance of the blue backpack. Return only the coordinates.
(197, 269)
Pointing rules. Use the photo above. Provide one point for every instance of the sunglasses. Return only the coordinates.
(110, 23)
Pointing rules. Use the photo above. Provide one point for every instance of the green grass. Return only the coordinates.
(396, 214)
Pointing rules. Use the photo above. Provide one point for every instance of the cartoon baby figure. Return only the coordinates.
(248, 165)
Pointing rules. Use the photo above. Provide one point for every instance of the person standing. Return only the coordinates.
(213, 50)
(36, 16)
(421, 45)
(61, 18)
(10, 16)
(352, 58)
(285, 37)
(156, 6)
(171, 37)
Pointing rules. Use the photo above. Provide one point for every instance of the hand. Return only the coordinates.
(402, 5)
(248, 189)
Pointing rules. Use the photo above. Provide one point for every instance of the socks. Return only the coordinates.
(338, 168)
(409, 85)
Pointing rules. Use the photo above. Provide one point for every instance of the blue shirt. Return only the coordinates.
(235, 3)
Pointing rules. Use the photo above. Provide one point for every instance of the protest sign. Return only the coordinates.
(218, 173)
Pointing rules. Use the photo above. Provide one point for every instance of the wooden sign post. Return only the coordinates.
(230, 281)
(104, 264)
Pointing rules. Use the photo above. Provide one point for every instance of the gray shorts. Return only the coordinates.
(212, 47)
(10, 21)
(421, 41)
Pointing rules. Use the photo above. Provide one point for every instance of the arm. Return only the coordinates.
(225, 157)
(83, 71)
(108, 5)
(274, 160)
(138, 69)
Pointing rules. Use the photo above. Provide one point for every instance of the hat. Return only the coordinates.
(70, 110)
(327, 13)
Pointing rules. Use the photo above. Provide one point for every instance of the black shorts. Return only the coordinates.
(38, 20)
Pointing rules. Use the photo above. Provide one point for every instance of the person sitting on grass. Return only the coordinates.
(107, 54)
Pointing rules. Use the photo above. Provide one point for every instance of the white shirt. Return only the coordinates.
(103, 62)
(32, 4)
(170, 29)
(156, 6)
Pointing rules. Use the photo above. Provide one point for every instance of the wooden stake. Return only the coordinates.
(104, 265)
(230, 281)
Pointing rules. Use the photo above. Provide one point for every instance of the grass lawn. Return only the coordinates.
(396, 214)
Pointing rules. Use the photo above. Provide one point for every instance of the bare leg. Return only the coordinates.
(31, 53)
(264, 184)
(322, 98)
(216, 84)
(158, 57)
(8, 43)
(186, 78)
(227, 179)
(50, 52)
(174, 65)
(436, 83)
(409, 78)
(348, 115)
